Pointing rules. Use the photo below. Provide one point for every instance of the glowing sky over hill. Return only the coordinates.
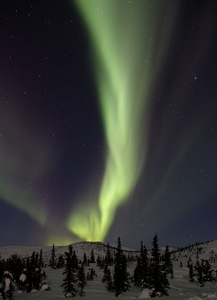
(108, 121)
(123, 39)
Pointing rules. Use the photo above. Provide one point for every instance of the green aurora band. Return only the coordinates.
(129, 40)
(15, 187)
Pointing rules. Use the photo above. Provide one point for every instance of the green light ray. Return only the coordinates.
(24, 201)
(122, 34)
(23, 159)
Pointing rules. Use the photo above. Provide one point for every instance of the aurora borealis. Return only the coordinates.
(108, 121)
(123, 103)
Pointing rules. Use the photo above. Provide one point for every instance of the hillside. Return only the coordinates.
(180, 287)
(79, 247)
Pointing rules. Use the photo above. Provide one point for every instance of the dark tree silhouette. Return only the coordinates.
(121, 276)
(70, 280)
(168, 264)
(108, 257)
(53, 257)
(92, 257)
(141, 272)
(159, 281)
(81, 280)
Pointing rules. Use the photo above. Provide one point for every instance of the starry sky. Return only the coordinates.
(108, 121)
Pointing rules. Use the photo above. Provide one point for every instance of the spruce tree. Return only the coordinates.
(74, 259)
(33, 259)
(41, 259)
(104, 278)
(92, 257)
(207, 270)
(81, 280)
(141, 277)
(189, 262)
(168, 264)
(126, 275)
(108, 257)
(53, 257)
(191, 272)
(121, 276)
(137, 277)
(29, 285)
(36, 260)
(99, 262)
(9, 294)
(70, 279)
(200, 279)
(8, 286)
(85, 259)
(144, 267)
(118, 278)
(109, 281)
(159, 281)
(60, 263)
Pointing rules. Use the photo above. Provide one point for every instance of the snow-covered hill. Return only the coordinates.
(80, 248)
(180, 287)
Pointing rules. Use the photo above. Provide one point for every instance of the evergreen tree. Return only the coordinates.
(8, 286)
(15, 265)
(118, 276)
(144, 266)
(33, 259)
(2, 268)
(104, 278)
(74, 259)
(29, 285)
(41, 259)
(36, 278)
(107, 278)
(37, 260)
(70, 279)
(9, 294)
(137, 277)
(207, 271)
(92, 257)
(53, 257)
(91, 274)
(189, 262)
(109, 281)
(121, 276)
(108, 257)
(203, 272)
(85, 259)
(126, 275)
(159, 281)
(168, 264)
(81, 280)
(138, 270)
(99, 262)
(199, 273)
(191, 272)
(60, 262)
(141, 275)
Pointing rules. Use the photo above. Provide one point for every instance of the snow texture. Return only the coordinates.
(180, 287)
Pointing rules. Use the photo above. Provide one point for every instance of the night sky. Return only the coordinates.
(108, 121)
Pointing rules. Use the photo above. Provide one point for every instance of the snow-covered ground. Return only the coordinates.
(180, 287)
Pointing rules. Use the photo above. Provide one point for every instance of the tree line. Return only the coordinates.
(152, 270)
(23, 274)
(27, 274)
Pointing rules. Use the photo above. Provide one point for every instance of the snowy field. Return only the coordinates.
(180, 287)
